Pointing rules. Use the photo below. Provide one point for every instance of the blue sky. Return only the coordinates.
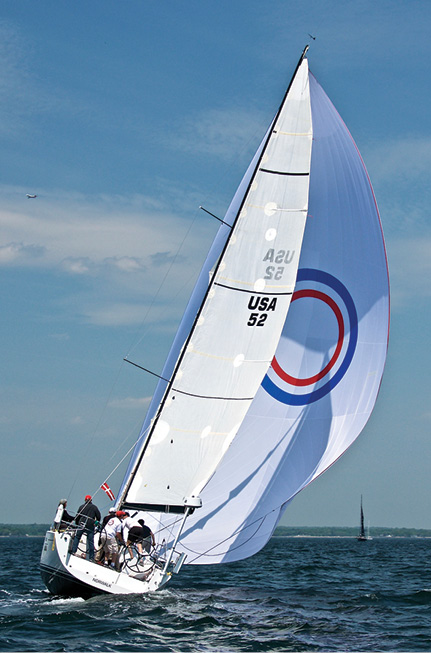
(124, 117)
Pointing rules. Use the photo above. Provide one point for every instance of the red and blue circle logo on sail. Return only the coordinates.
(301, 348)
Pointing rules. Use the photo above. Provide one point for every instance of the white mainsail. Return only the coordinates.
(245, 434)
(239, 324)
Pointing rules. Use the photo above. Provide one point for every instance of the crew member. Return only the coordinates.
(62, 518)
(100, 553)
(135, 534)
(86, 517)
(112, 535)
(148, 536)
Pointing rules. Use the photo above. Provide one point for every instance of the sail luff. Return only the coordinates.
(251, 217)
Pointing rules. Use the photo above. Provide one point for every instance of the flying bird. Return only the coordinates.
(31, 197)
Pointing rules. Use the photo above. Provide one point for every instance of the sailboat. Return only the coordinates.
(276, 365)
(363, 537)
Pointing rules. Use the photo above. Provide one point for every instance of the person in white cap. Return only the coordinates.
(112, 532)
(100, 553)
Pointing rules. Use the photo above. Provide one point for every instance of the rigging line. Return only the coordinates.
(138, 458)
(96, 428)
(167, 527)
(126, 438)
(214, 216)
(183, 392)
(260, 519)
(144, 433)
(162, 283)
(145, 369)
(141, 436)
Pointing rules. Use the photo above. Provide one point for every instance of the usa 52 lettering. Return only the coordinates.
(260, 307)
(280, 256)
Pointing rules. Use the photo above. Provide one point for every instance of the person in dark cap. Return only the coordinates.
(147, 536)
(86, 517)
(138, 534)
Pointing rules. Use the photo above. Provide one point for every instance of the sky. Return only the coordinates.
(124, 118)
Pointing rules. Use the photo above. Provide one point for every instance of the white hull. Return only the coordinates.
(71, 575)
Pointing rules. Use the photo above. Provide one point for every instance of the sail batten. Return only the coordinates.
(269, 294)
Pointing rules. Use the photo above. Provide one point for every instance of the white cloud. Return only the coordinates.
(77, 265)
(103, 311)
(19, 253)
(126, 263)
(403, 160)
(116, 314)
(399, 170)
(79, 232)
(60, 336)
(219, 132)
(120, 249)
(131, 403)
(410, 269)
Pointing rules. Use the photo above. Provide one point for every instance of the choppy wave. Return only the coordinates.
(315, 594)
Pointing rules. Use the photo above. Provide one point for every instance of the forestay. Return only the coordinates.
(238, 327)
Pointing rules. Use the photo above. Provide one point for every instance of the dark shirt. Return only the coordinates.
(139, 533)
(86, 516)
(66, 517)
(145, 532)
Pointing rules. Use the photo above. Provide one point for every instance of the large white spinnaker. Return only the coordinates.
(324, 380)
(238, 327)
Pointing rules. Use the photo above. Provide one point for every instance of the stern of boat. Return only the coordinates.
(65, 574)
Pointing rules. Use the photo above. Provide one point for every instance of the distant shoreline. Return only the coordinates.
(38, 530)
(352, 537)
(350, 531)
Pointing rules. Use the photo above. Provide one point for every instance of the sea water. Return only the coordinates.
(298, 594)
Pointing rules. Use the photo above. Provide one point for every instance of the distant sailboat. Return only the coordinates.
(362, 537)
(275, 367)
